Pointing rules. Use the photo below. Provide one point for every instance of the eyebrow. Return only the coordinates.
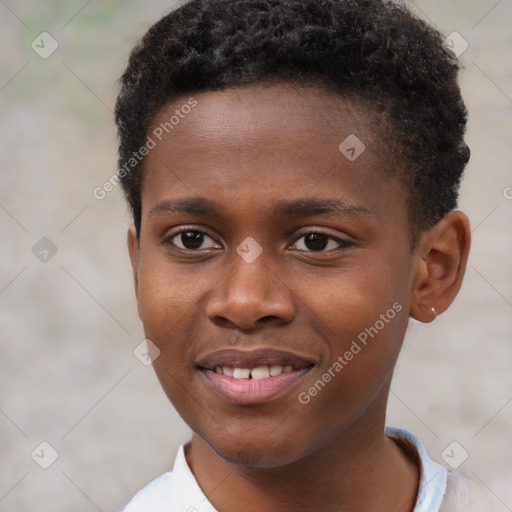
(306, 207)
(310, 206)
(192, 205)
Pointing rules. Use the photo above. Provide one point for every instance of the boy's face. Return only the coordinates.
(261, 281)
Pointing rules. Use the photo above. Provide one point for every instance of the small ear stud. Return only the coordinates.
(434, 311)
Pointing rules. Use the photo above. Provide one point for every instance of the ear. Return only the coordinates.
(441, 258)
(133, 251)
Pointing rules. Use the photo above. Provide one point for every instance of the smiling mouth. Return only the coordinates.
(243, 377)
(259, 363)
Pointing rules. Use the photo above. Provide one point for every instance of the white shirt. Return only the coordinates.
(439, 491)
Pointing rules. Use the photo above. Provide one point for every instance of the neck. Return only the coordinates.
(361, 469)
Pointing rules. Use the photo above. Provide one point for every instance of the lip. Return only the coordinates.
(253, 391)
(253, 358)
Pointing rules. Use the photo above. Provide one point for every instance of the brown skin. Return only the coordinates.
(246, 150)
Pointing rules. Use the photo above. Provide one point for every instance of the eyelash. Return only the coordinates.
(344, 244)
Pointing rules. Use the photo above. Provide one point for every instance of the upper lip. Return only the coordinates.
(237, 358)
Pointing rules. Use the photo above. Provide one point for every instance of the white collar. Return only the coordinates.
(433, 476)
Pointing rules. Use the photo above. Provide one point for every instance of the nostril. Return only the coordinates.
(268, 318)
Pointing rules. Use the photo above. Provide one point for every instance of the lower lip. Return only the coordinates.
(253, 391)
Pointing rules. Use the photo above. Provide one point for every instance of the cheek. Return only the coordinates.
(163, 290)
(363, 319)
(363, 333)
(167, 308)
(166, 305)
(354, 299)
(357, 317)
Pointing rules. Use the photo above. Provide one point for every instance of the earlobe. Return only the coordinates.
(441, 258)
(133, 251)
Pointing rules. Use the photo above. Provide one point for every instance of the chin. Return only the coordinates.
(256, 453)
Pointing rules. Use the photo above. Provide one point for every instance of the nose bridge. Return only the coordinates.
(252, 280)
(251, 291)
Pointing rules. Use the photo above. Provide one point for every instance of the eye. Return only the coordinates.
(317, 242)
(189, 239)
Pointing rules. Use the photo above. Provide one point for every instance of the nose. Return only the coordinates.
(249, 296)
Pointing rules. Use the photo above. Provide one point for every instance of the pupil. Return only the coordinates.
(316, 241)
(192, 239)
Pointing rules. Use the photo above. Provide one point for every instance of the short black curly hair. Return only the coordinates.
(376, 51)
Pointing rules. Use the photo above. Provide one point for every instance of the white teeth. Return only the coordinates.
(228, 371)
(241, 373)
(261, 372)
(275, 370)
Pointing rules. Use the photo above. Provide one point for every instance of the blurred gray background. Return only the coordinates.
(68, 324)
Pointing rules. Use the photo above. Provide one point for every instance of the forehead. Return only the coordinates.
(270, 112)
(264, 143)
